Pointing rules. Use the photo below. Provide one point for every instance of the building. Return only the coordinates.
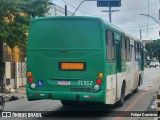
(146, 41)
(11, 54)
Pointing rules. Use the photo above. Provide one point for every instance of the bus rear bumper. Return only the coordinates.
(57, 95)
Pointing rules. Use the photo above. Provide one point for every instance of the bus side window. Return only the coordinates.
(123, 42)
(139, 50)
(107, 45)
(136, 50)
(112, 39)
(128, 50)
(110, 45)
(107, 41)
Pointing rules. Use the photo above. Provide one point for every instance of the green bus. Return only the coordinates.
(82, 59)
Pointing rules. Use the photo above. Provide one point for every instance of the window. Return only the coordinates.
(128, 54)
(124, 46)
(137, 52)
(110, 45)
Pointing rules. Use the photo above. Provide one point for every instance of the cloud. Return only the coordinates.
(127, 17)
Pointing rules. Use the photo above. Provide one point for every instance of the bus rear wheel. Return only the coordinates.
(139, 83)
(121, 101)
(69, 103)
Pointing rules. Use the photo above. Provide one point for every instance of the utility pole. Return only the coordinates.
(140, 34)
(103, 4)
(110, 13)
(65, 10)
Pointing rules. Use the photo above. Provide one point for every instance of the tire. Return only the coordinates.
(69, 103)
(121, 101)
(2, 103)
(136, 90)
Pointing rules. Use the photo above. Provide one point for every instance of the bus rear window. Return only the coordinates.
(65, 34)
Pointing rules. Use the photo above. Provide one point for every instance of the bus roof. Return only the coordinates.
(107, 24)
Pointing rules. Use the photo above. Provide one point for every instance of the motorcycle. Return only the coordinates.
(2, 99)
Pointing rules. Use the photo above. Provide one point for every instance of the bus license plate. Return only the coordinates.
(64, 82)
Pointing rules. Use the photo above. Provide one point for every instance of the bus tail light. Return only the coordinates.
(96, 87)
(30, 80)
(100, 75)
(29, 74)
(99, 81)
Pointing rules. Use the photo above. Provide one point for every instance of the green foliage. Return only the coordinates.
(13, 30)
(36, 7)
(14, 21)
(153, 48)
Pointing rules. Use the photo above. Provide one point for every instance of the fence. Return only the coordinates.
(15, 74)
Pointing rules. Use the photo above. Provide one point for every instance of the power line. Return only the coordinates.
(139, 8)
(141, 26)
(143, 29)
(78, 10)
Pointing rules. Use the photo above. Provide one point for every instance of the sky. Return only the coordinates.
(127, 18)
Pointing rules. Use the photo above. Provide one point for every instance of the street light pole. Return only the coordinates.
(151, 17)
(80, 5)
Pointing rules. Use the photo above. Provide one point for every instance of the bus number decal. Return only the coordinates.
(84, 82)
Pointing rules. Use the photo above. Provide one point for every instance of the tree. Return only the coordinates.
(153, 48)
(36, 7)
(14, 22)
(5, 7)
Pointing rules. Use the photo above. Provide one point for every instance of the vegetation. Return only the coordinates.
(14, 22)
(153, 49)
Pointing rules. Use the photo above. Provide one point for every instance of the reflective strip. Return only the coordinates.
(158, 100)
(158, 109)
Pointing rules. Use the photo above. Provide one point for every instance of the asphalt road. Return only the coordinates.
(139, 101)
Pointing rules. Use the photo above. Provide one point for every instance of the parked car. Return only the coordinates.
(152, 64)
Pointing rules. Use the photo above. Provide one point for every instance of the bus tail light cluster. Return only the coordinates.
(98, 81)
(30, 78)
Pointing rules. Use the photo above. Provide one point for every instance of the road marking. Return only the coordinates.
(134, 102)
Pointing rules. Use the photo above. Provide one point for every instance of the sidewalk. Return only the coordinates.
(155, 105)
(19, 93)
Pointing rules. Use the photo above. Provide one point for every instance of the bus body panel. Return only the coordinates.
(57, 40)
(59, 95)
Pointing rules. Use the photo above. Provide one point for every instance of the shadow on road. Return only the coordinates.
(88, 110)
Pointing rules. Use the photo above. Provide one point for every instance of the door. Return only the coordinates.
(118, 64)
(132, 77)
